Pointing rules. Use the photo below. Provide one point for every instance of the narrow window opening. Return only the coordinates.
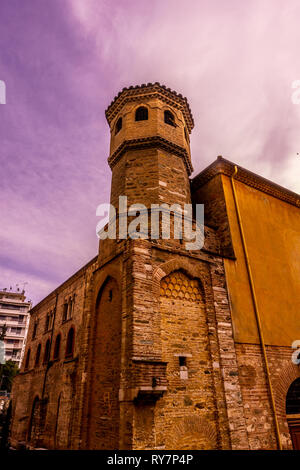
(118, 125)
(27, 360)
(37, 356)
(65, 312)
(110, 295)
(70, 343)
(57, 347)
(183, 368)
(182, 361)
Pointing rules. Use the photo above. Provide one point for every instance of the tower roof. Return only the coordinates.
(135, 93)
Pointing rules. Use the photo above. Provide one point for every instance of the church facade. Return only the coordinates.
(153, 346)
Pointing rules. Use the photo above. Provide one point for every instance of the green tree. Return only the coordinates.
(7, 373)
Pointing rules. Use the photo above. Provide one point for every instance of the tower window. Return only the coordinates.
(141, 114)
(169, 118)
(118, 125)
(182, 361)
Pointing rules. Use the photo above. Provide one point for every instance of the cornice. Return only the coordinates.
(225, 167)
(151, 90)
(150, 142)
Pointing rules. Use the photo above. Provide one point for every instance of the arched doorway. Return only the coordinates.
(293, 412)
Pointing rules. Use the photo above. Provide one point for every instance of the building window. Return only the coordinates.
(118, 125)
(141, 114)
(57, 347)
(38, 355)
(49, 321)
(27, 360)
(16, 330)
(35, 325)
(65, 312)
(169, 118)
(183, 370)
(47, 352)
(70, 343)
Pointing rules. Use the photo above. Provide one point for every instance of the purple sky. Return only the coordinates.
(63, 61)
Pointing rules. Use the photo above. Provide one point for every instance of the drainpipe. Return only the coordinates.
(255, 305)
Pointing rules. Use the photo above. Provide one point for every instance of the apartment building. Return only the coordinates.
(14, 313)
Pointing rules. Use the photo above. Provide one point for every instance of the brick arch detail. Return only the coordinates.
(194, 426)
(289, 372)
(172, 265)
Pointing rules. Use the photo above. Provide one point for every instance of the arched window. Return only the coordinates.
(169, 118)
(57, 347)
(293, 398)
(118, 125)
(70, 343)
(38, 355)
(47, 352)
(27, 360)
(293, 412)
(141, 114)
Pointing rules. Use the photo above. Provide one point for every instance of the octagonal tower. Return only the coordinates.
(150, 153)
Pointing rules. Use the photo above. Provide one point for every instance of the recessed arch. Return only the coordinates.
(105, 367)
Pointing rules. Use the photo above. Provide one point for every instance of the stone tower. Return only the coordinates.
(150, 149)
(163, 346)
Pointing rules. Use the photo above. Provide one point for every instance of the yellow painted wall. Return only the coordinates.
(272, 233)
